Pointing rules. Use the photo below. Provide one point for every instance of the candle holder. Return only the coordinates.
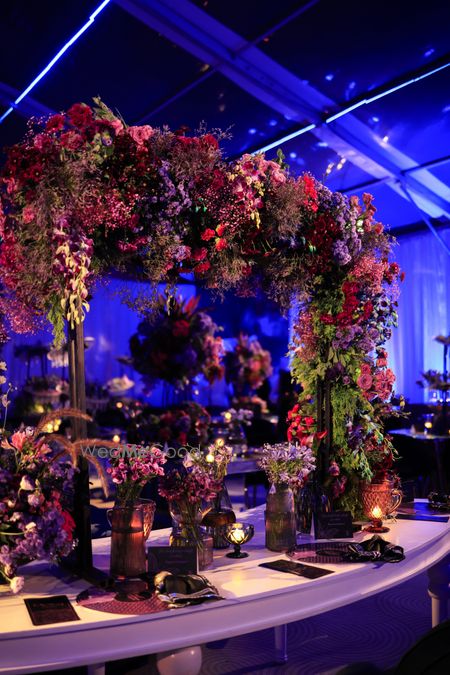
(379, 499)
(238, 534)
(376, 518)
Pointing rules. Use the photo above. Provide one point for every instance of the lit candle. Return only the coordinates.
(220, 442)
(227, 417)
(377, 513)
(119, 404)
(238, 536)
(116, 438)
(210, 457)
(428, 425)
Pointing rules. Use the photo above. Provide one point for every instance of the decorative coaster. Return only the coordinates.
(319, 553)
(111, 602)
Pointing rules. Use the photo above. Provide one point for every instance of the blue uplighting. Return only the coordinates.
(56, 58)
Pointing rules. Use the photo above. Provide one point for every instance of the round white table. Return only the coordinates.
(256, 598)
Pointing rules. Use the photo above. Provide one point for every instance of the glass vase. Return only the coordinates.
(280, 519)
(187, 530)
(219, 516)
(310, 500)
(128, 557)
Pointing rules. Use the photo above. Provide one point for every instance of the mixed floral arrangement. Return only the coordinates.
(213, 460)
(84, 194)
(188, 424)
(131, 468)
(233, 417)
(177, 342)
(248, 365)
(288, 463)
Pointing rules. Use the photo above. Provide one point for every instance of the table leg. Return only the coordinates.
(280, 634)
(187, 661)
(96, 669)
(438, 590)
(438, 445)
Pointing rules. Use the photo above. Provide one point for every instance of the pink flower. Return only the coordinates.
(365, 381)
(116, 125)
(140, 134)
(28, 214)
(18, 439)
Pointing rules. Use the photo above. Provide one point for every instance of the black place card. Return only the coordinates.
(296, 568)
(336, 525)
(175, 559)
(52, 609)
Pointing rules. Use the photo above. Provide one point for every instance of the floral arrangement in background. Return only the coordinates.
(188, 424)
(131, 468)
(176, 343)
(84, 194)
(213, 460)
(242, 416)
(288, 463)
(434, 380)
(248, 365)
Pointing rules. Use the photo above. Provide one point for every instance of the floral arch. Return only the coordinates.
(84, 195)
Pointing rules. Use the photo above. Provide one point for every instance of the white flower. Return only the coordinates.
(30, 526)
(26, 483)
(16, 584)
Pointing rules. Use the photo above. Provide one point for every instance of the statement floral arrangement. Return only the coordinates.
(213, 460)
(177, 342)
(85, 194)
(248, 365)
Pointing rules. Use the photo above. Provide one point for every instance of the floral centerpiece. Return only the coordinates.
(131, 468)
(214, 461)
(248, 365)
(176, 343)
(189, 491)
(287, 464)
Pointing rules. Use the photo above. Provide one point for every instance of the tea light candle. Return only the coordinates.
(377, 513)
(209, 457)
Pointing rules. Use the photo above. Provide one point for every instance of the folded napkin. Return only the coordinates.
(375, 549)
(184, 589)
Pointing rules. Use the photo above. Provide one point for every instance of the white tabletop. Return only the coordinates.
(256, 598)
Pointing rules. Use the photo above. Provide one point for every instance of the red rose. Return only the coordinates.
(220, 229)
(221, 244)
(71, 140)
(199, 254)
(203, 267)
(211, 140)
(181, 328)
(208, 234)
(80, 115)
(55, 123)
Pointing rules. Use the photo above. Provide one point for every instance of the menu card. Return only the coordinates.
(52, 609)
(174, 559)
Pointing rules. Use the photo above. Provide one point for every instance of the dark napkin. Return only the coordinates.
(184, 589)
(375, 549)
